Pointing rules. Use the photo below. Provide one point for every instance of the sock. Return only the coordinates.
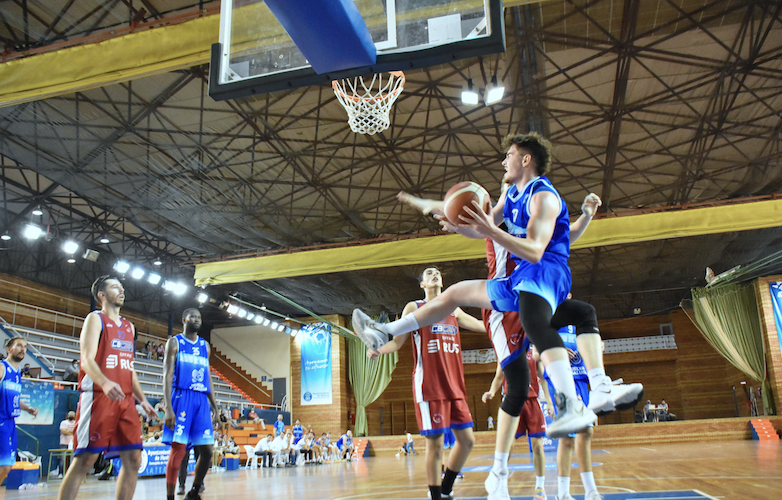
(169, 497)
(562, 377)
(588, 478)
(434, 493)
(403, 325)
(500, 463)
(596, 377)
(540, 481)
(563, 486)
(450, 477)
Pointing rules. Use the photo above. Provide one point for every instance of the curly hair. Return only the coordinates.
(534, 144)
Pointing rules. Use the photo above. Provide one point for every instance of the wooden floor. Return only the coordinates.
(728, 469)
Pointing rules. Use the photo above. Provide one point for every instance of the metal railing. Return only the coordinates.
(48, 364)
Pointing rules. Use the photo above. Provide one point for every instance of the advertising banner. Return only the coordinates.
(776, 301)
(37, 395)
(315, 364)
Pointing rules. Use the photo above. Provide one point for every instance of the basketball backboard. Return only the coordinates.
(255, 55)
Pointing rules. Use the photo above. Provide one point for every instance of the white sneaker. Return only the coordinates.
(369, 331)
(594, 495)
(497, 486)
(566, 497)
(609, 396)
(572, 417)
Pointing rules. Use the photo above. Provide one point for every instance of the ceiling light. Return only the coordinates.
(32, 232)
(274, 325)
(180, 288)
(242, 313)
(104, 240)
(494, 92)
(280, 328)
(157, 263)
(232, 309)
(266, 321)
(294, 332)
(250, 316)
(153, 278)
(37, 210)
(5, 236)
(202, 297)
(470, 95)
(122, 267)
(137, 273)
(71, 261)
(169, 286)
(263, 308)
(70, 247)
(258, 319)
(288, 331)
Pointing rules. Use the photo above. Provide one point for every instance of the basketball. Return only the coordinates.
(462, 195)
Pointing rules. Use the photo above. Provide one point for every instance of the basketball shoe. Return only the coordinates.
(540, 494)
(614, 395)
(566, 497)
(369, 331)
(572, 417)
(593, 495)
(497, 486)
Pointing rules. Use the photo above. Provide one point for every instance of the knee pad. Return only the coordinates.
(517, 376)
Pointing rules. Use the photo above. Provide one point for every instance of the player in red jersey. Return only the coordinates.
(106, 418)
(438, 385)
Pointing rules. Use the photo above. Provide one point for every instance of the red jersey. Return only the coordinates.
(498, 258)
(116, 349)
(438, 372)
(534, 386)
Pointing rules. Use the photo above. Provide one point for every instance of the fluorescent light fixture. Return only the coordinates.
(259, 319)
(169, 286)
(180, 288)
(70, 247)
(137, 273)
(250, 316)
(157, 263)
(280, 328)
(153, 278)
(263, 308)
(266, 321)
(202, 297)
(294, 332)
(288, 331)
(37, 211)
(470, 95)
(121, 267)
(5, 236)
(232, 309)
(274, 325)
(32, 232)
(71, 261)
(494, 92)
(104, 240)
(242, 313)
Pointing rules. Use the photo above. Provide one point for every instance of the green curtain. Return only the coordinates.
(369, 378)
(728, 317)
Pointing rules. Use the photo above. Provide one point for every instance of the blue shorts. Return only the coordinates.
(193, 419)
(7, 442)
(550, 278)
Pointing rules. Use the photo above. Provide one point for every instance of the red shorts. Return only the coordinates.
(505, 332)
(434, 417)
(106, 425)
(531, 421)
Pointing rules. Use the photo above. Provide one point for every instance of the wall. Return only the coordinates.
(260, 351)
(771, 338)
(332, 418)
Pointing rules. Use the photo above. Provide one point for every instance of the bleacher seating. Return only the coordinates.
(61, 350)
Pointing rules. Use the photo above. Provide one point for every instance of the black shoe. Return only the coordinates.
(181, 490)
(191, 495)
(201, 489)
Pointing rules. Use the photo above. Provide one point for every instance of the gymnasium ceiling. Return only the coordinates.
(653, 105)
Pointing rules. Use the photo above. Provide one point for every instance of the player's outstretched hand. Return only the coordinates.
(487, 396)
(591, 203)
(424, 206)
(113, 391)
(464, 231)
(372, 354)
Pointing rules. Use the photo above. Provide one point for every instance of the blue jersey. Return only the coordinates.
(279, 428)
(516, 214)
(192, 365)
(344, 442)
(10, 391)
(568, 335)
(298, 432)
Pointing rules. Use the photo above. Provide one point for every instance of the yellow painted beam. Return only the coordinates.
(602, 232)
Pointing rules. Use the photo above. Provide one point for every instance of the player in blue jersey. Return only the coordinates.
(11, 405)
(583, 440)
(188, 393)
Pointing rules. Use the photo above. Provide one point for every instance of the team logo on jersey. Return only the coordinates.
(198, 375)
(443, 329)
(112, 361)
(437, 418)
(182, 416)
(122, 345)
(207, 433)
(515, 338)
(433, 346)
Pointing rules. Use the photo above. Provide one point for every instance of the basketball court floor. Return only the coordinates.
(723, 470)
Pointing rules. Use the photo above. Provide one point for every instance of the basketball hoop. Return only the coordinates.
(369, 104)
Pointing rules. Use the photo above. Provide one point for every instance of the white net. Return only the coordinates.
(369, 103)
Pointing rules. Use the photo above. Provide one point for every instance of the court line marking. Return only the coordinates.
(647, 449)
(707, 495)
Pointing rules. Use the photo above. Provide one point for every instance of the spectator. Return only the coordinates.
(144, 351)
(263, 449)
(408, 447)
(648, 412)
(161, 349)
(26, 371)
(345, 446)
(152, 353)
(279, 426)
(253, 416)
(230, 445)
(331, 447)
(155, 438)
(71, 373)
(66, 436)
(281, 448)
(491, 422)
(662, 411)
(305, 447)
(298, 432)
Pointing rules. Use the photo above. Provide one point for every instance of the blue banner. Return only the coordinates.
(37, 395)
(154, 459)
(776, 301)
(315, 345)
